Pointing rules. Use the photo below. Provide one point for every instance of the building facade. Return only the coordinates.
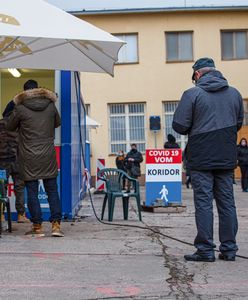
(155, 67)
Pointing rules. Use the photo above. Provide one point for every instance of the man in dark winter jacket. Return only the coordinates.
(133, 160)
(211, 113)
(36, 117)
(171, 142)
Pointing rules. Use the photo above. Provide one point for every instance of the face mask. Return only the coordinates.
(243, 144)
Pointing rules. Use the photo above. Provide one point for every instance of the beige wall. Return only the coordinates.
(153, 80)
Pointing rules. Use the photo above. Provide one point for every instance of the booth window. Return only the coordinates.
(169, 110)
(234, 45)
(128, 52)
(126, 126)
(179, 46)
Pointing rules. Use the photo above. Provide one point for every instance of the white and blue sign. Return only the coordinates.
(163, 177)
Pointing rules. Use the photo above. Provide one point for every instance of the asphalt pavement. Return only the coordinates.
(96, 261)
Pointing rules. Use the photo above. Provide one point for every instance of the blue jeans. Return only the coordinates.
(51, 189)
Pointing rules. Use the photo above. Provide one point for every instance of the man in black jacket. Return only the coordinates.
(132, 162)
(211, 113)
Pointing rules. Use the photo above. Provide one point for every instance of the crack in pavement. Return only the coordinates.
(180, 280)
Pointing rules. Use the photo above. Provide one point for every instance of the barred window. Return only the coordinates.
(169, 110)
(179, 46)
(245, 122)
(128, 52)
(234, 45)
(126, 126)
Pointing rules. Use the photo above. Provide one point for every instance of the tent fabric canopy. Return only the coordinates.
(91, 123)
(38, 35)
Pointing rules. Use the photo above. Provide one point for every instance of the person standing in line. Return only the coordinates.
(9, 162)
(171, 142)
(210, 114)
(35, 117)
(132, 161)
(243, 163)
(119, 161)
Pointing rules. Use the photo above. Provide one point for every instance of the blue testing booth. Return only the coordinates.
(73, 153)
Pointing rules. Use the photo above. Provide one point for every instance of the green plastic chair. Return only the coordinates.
(113, 179)
(4, 201)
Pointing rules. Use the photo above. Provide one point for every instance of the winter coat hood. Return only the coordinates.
(212, 81)
(35, 99)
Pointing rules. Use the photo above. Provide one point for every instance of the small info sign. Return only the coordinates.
(163, 177)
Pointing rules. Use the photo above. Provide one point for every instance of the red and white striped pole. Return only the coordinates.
(100, 164)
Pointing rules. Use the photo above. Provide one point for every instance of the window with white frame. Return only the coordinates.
(169, 110)
(126, 126)
(245, 121)
(179, 46)
(128, 52)
(234, 44)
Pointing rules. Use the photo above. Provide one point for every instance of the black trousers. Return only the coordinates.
(244, 177)
(218, 185)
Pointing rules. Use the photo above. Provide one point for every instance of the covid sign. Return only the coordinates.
(163, 177)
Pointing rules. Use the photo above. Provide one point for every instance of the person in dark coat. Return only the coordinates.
(243, 163)
(9, 146)
(120, 164)
(35, 117)
(9, 162)
(210, 114)
(8, 109)
(119, 161)
(133, 160)
(171, 142)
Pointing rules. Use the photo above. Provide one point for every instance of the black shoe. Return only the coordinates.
(227, 257)
(197, 257)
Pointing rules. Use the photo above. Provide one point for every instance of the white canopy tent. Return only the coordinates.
(37, 35)
(91, 123)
